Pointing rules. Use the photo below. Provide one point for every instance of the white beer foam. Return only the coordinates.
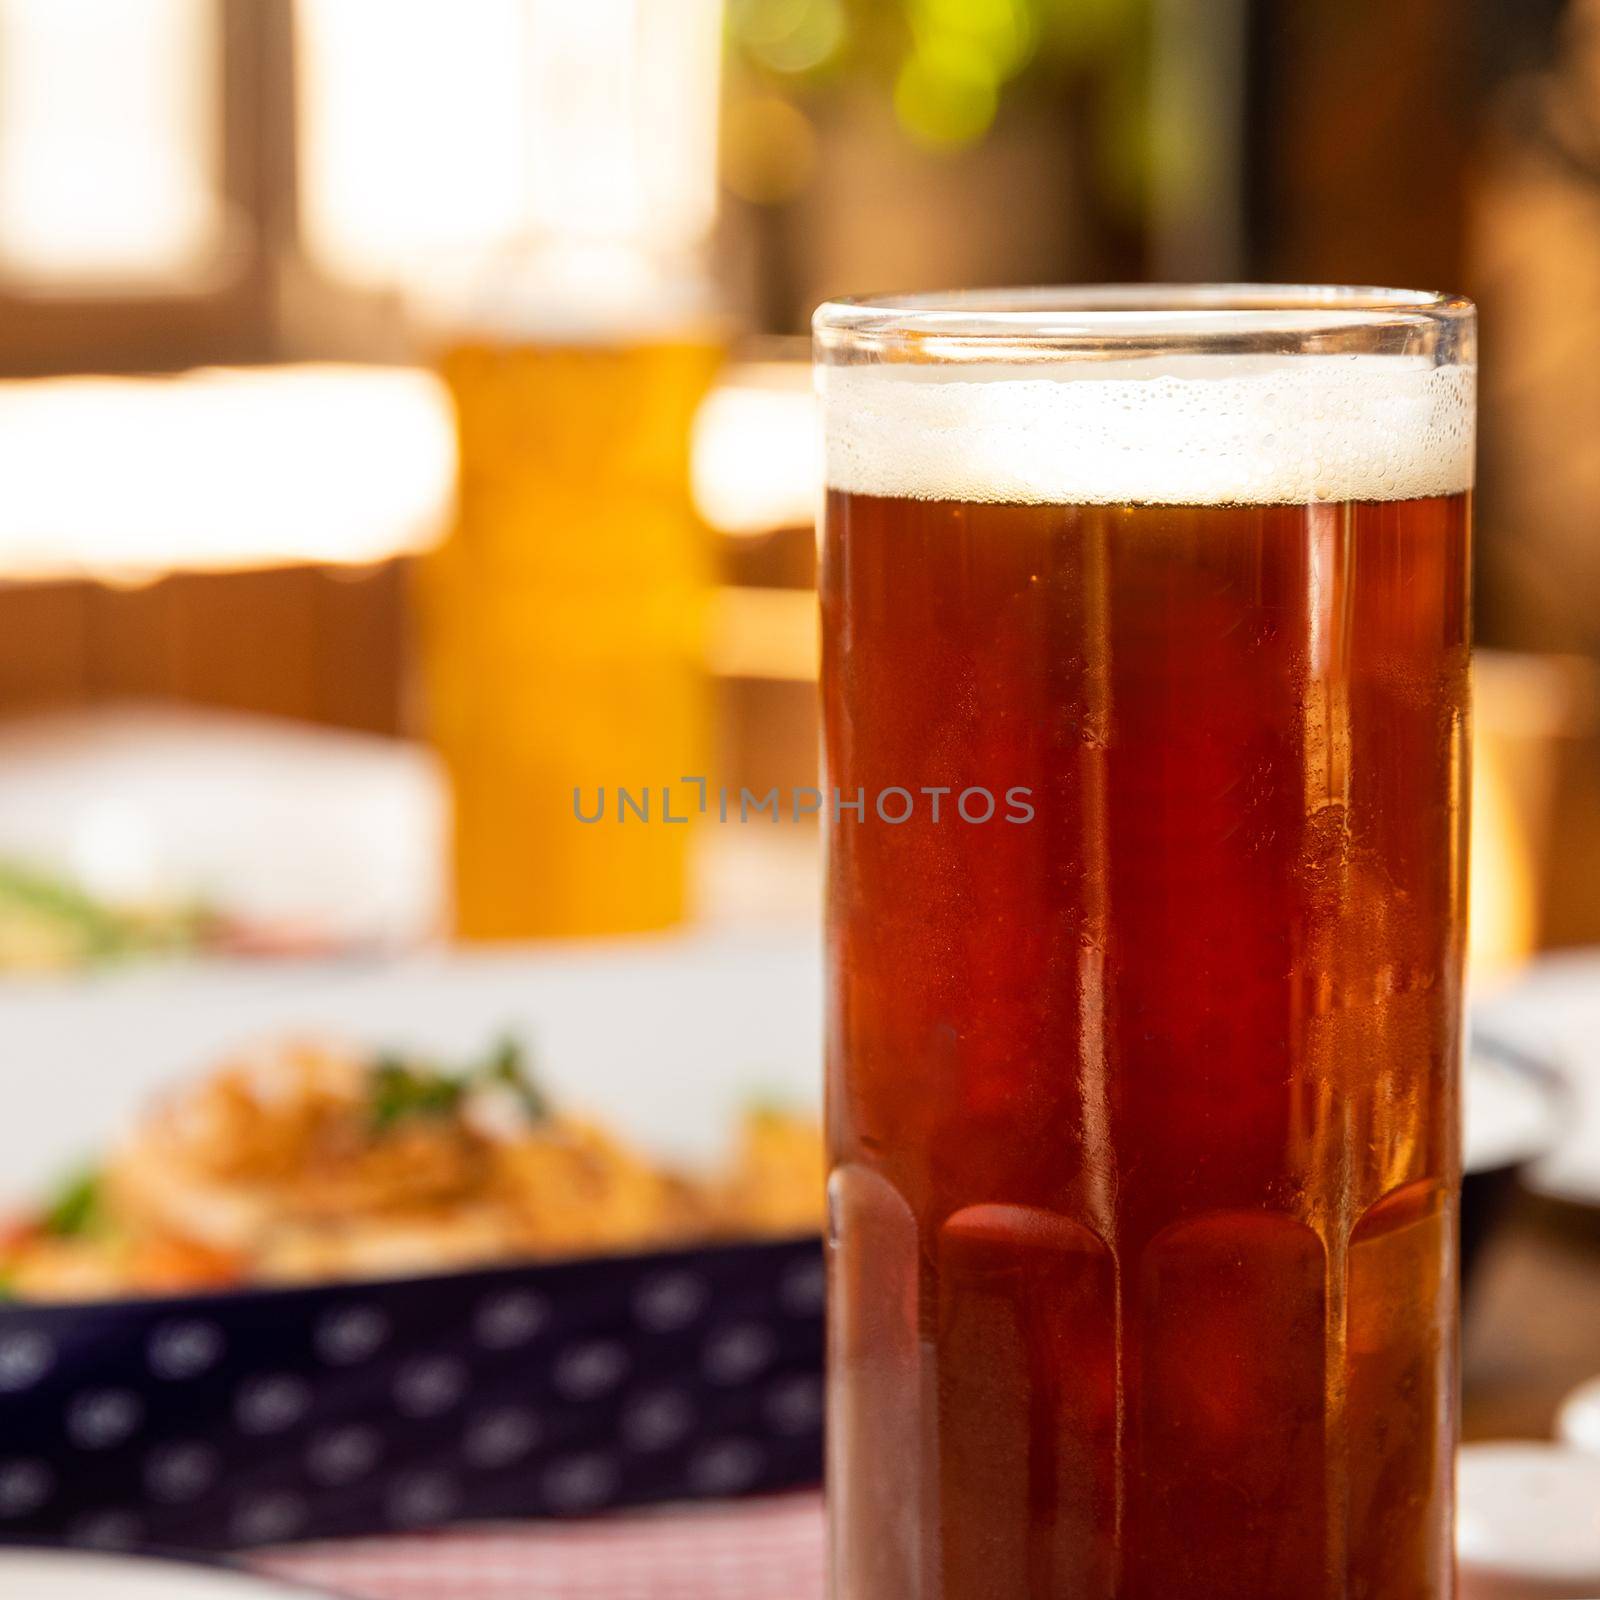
(1173, 430)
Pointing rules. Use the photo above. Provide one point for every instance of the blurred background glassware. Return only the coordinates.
(562, 621)
(1531, 714)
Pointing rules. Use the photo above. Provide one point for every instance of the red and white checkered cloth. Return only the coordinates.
(766, 1549)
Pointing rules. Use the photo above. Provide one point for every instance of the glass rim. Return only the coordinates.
(1258, 315)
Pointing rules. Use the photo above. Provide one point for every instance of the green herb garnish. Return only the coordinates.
(76, 1207)
(57, 908)
(42, 911)
(403, 1088)
(506, 1067)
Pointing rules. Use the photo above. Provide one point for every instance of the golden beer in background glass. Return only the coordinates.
(562, 630)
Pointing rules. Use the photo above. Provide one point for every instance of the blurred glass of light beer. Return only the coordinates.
(562, 621)
(1143, 1087)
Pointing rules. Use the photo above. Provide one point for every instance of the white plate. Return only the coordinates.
(90, 1575)
(665, 1039)
(1513, 1112)
(1552, 1013)
(330, 833)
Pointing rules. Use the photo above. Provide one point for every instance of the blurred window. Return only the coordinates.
(146, 165)
(412, 132)
(109, 141)
(433, 133)
(190, 182)
(219, 470)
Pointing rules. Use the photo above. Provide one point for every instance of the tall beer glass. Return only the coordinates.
(1145, 1012)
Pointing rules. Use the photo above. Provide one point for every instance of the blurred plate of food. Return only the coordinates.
(306, 1161)
(141, 830)
(233, 1092)
(50, 922)
(1551, 1013)
(319, 1249)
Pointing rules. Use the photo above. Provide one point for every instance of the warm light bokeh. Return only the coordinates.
(109, 139)
(125, 478)
(436, 135)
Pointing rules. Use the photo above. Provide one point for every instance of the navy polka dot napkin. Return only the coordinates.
(555, 1389)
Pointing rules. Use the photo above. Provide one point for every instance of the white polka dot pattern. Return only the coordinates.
(25, 1357)
(349, 1334)
(587, 1371)
(24, 1487)
(671, 1301)
(102, 1418)
(422, 1498)
(552, 1390)
(725, 1466)
(342, 1455)
(737, 1354)
(801, 1290)
(175, 1473)
(580, 1483)
(504, 1321)
(656, 1421)
(429, 1386)
(179, 1350)
(267, 1518)
(500, 1437)
(113, 1529)
(271, 1404)
(794, 1405)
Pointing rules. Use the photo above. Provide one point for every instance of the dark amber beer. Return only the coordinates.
(1143, 1089)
